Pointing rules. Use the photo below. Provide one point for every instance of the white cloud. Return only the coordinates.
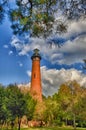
(28, 73)
(16, 43)
(76, 27)
(10, 52)
(20, 64)
(5, 46)
(71, 52)
(25, 50)
(53, 78)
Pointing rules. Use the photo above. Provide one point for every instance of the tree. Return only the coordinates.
(19, 104)
(67, 106)
(3, 4)
(35, 16)
(3, 110)
(38, 16)
(82, 108)
(76, 95)
(31, 104)
(50, 113)
(16, 103)
(73, 9)
(64, 95)
(71, 98)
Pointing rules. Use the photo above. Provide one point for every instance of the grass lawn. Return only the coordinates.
(53, 128)
(50, 128)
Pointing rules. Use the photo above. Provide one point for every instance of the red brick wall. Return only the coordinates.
(36, 89)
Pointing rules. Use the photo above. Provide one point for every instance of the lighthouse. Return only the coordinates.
(36, 89)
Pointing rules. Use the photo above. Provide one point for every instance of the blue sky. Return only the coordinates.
(15, 55)
(12, 67)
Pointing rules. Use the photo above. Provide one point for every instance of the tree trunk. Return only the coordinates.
(19, 123)
(66, 121)
(74, 121)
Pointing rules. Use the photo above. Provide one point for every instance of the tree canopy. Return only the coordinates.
(14, 105)
(66, 107)
(40, 17)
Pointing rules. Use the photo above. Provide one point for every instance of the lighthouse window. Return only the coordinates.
(34, 75)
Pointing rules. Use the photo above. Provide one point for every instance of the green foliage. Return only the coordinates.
(30, 108)
(4, 112)
(51, 111)
(16, 102)
(70, 100)
(14, 105)
(67, 107)
(38, 16)
(2, 104)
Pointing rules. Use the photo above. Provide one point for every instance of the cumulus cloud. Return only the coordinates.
(75, 28)
(73, 50)
(53, 78)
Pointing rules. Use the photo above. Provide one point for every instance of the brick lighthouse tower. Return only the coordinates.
(36, 89)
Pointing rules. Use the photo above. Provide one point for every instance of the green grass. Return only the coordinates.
(54, 128)
(51, 128)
